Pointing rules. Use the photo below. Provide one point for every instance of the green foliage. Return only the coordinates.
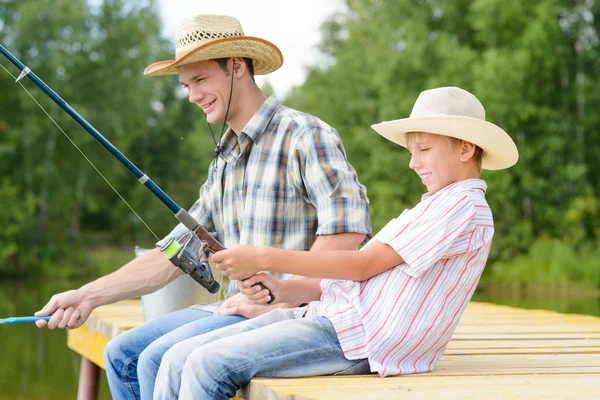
(551, 262)
(533, 65)
(93, 56)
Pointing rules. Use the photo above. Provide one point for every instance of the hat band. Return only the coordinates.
(192, 38)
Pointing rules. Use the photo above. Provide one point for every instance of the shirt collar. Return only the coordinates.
(254, 128)
(468, 184)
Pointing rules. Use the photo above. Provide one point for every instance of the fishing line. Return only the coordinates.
(83, 154)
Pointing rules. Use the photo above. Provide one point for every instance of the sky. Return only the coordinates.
(292, 25)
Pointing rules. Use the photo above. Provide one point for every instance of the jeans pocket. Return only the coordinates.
(360, 368)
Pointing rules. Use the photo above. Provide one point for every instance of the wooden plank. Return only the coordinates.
(525, 351)
(527, 344)
(88, 343)
(422, 387)
(497, 352)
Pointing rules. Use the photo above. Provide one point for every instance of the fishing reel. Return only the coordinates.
(190, 255)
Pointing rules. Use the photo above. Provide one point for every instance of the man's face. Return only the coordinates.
(434, 160)
(208, 86)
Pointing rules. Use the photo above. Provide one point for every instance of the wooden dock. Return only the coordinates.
(497, 352)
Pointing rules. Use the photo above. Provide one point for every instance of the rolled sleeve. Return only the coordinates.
(331, 184)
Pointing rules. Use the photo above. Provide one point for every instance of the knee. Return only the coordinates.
(176, 355)
(208, 361)
(151, 357)
(207, 371)
(115, 353)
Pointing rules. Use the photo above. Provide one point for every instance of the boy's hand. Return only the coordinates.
(239, 262)
(256, 293)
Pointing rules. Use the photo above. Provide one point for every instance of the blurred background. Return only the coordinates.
(533, 64)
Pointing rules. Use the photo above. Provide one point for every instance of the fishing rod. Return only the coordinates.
(18, 320)
(189, 253)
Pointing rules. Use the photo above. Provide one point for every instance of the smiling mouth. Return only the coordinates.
(425, 176)
(205, 106)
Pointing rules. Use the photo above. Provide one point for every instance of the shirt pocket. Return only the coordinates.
(264, 216)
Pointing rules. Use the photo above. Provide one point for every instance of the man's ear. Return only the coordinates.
(239, 66)
(467, 150)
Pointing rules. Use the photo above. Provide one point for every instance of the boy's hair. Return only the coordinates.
(223, 64)
(453, 142)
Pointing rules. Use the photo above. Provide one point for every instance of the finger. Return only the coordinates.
(56, 318)
(74, 320)
(229, 310)
(249, 291)
(219, 256)
(41, 323)
(261, 294)
(62, 324)
(49, 308)
(250, 281)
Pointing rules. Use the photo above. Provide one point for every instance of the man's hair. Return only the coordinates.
(454, 142)
(223, 64)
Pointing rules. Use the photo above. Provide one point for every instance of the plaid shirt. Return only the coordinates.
(281, 183)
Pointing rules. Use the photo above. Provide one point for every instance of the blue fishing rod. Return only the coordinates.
(189, 253)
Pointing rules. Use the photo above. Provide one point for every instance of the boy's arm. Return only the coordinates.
(244, 261)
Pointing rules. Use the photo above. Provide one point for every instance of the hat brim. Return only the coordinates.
(265, 55)
(500, 150)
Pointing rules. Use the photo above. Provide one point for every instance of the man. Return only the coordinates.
(280, 179)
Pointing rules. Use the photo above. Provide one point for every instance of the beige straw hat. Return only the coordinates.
(454, 112)
(207, 37)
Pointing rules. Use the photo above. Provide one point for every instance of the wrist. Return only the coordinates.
(89, 296)
(263, 255)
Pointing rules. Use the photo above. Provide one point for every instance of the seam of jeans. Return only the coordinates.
(126, 366)
(317, 320)
(173, 366)
(220, 378)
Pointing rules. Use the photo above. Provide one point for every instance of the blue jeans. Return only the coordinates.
(132, 359)
(216, 364)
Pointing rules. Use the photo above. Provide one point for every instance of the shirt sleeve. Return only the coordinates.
(201, 211)
(327, 180)
(429, 234)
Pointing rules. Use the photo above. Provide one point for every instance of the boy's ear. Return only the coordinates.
(467, 150)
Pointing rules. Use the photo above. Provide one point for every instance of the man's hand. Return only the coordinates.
(256, 293)
(69, 310)
(239, 304)
(239, 262)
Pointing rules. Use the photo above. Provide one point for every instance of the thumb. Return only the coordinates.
(219, 256)
(48, 308)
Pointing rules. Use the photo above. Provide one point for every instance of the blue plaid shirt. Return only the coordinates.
(281, 183)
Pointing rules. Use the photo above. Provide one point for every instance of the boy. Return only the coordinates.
(390, 308)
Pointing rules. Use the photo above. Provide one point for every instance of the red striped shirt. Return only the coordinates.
(403, 318)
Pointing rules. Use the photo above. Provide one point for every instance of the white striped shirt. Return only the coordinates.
(403, 318)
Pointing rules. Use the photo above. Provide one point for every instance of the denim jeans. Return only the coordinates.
(132, 359)
(216, 364)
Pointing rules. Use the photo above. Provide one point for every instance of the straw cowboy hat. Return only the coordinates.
(452, 111)
(207, 37)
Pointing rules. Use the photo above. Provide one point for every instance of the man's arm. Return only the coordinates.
(142, 275)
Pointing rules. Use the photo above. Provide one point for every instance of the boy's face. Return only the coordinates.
(434, 160)
(208, 86)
